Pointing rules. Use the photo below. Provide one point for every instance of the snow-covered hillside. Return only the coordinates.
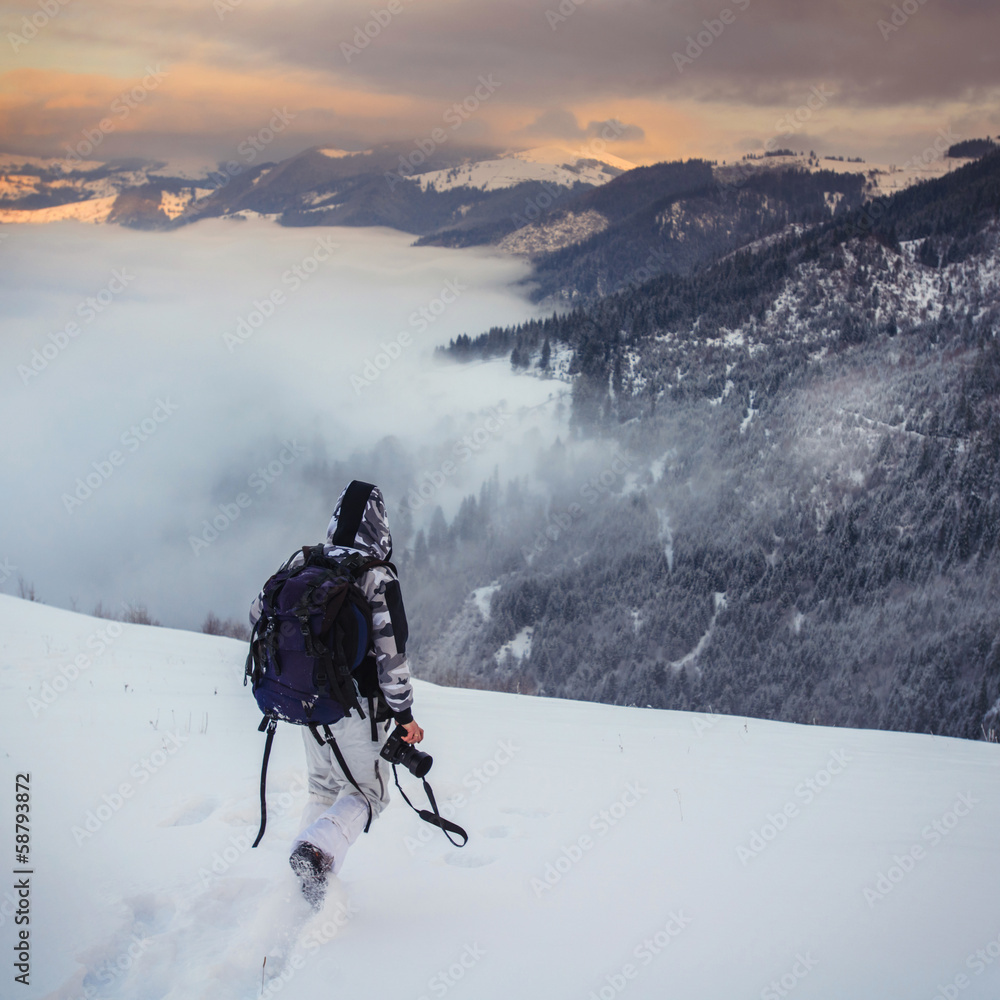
(882, 179)
(880, 286)
(612, 849)
(94, 210)
(550, 164)
(40, 191)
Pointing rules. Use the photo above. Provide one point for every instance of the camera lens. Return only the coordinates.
(398, 751)
(417, 762)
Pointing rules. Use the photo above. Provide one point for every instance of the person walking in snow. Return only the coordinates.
(337, 809)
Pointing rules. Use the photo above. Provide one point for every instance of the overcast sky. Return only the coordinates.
(882, 78)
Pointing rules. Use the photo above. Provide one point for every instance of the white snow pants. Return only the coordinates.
(335, 814)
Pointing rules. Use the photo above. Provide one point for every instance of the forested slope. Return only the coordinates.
(804, 524)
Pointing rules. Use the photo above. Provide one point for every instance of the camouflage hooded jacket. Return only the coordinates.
(360, 525)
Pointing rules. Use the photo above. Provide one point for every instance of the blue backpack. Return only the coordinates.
(309, 652)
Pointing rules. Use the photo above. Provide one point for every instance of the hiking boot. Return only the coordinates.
(312, 867)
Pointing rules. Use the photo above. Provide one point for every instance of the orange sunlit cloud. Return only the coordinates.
(683, 82)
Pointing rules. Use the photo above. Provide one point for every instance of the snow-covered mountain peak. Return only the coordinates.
(338, 154)
(546, 164)
(555, 155)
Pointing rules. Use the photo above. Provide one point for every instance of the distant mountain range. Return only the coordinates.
(589, 223)
(397, 185)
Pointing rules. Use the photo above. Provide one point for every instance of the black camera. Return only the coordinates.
(398, 751)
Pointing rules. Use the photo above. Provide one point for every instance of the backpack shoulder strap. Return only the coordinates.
(368, 563)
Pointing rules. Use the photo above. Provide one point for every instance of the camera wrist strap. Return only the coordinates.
(434, 818)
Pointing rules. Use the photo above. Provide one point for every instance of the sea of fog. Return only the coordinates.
(180, 409)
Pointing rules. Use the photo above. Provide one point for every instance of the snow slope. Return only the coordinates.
(551, 164)
(882, 179)
(95, 210)
(337, 154)
(612, 850)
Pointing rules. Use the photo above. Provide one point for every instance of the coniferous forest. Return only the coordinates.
(789, 506)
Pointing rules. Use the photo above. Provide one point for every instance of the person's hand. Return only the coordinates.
(414, 734)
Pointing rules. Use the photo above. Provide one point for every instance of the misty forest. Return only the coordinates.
(793, 506)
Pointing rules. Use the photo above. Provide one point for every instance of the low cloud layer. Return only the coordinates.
(189, 402)
(561, 124)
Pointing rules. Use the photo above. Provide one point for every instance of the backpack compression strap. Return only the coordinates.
(328, 738)
(270, 725)
(434, 818)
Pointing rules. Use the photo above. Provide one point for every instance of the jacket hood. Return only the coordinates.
(360, 522)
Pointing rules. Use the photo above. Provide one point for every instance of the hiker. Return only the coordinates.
(347, 785)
